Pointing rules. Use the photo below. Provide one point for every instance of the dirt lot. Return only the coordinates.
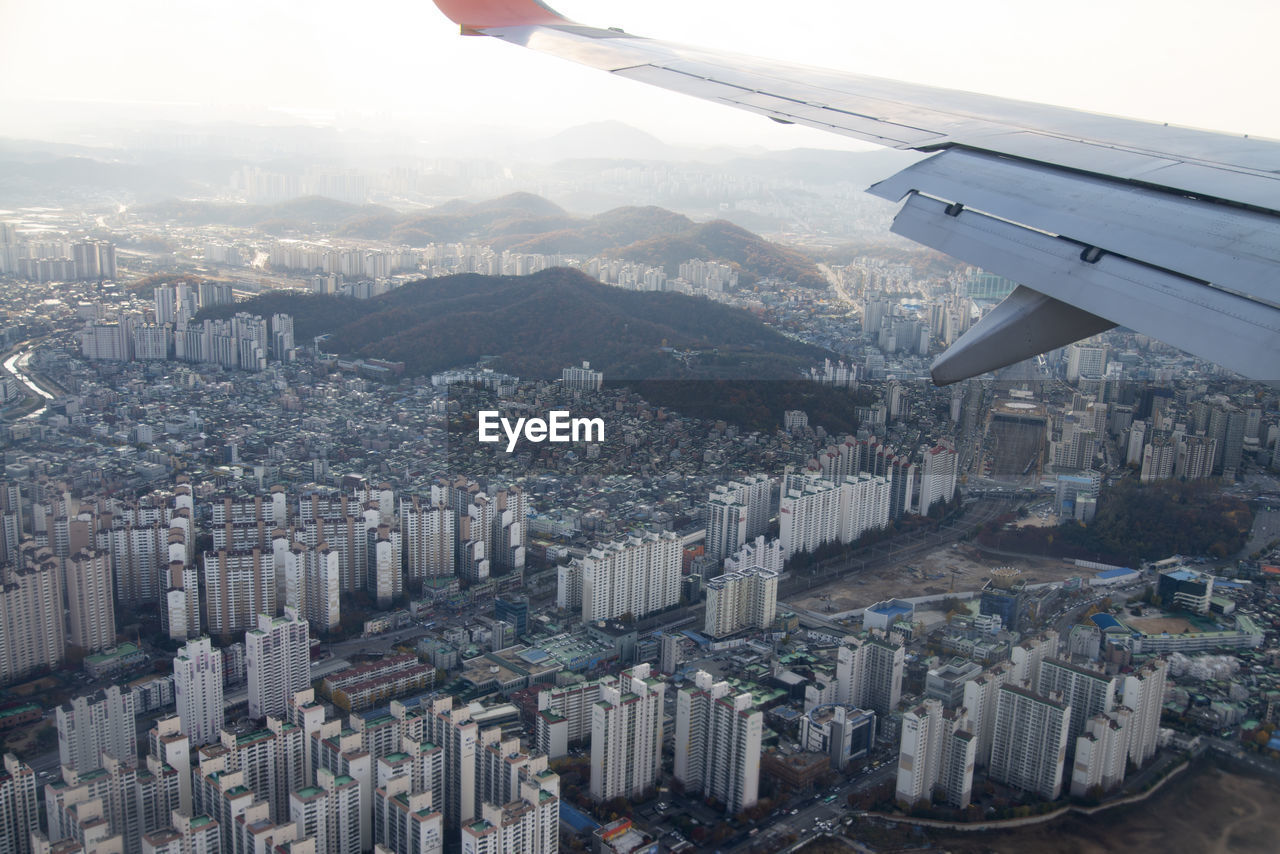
(1155, 625)
(928, 576)
(1205, 810)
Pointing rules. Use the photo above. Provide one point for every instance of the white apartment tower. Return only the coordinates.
(18, 807)
(808, 514)
(869, 674)
(814, 511)
(428, 530)
(583, 378)
(311, 584)
(404, 820)
(278, 660)
(1085, 361)
(717, 746)
(31, 613)
(936, 755)
(637, 576)
(239, 585)
(737, 512)
(1029, 746)
(529, 825)
(1100, 754)
(1088, 692)
(726, 524)
(92, 725)
(91, 601)
(626, 735)
(937, 476)
(1144, 694)
(197, 689)
(980, 696)
(451, 727)
(747, 598)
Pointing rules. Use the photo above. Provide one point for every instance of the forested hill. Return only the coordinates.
(520, 222)
(534, 326)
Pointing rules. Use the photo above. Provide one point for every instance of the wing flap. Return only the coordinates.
(1025, 324)
(1226, 246)
(1234, 331)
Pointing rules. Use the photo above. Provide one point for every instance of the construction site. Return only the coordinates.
(958, 568)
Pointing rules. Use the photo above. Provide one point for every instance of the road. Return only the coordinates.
(811, 813)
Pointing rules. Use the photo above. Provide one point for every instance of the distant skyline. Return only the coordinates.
(391, 64)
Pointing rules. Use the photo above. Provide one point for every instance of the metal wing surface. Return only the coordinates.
(1105, 221)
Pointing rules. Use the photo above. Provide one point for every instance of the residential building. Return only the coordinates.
(91, 601)
(718, 743)
(97, 724)
(637, 576)
(626, 735)
(31, 612)
(746, 598)
(278, 657)
(869, 674)
(197, 688)
(1029, 744)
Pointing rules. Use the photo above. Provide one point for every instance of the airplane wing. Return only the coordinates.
(1105, 221)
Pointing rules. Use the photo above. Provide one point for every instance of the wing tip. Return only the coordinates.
(475, 15)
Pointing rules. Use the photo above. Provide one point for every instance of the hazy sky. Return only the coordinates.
(374, 62)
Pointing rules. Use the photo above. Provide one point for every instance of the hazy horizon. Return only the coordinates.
(399, 67)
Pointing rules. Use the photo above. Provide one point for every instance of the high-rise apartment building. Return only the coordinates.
(726, 525)
(238, 586)
(736, 513)
(808, 514)
(19, 812)
(1085, 361)
(980, 696)
(197, 689)
(312, 583)
(636, 576)
(1098, 763)
(583, 378)
(626, 735)
(404, 820)
(135, 801)
(869, 674)
(31, 614)
(186, 835)
(278, 660)
(937, 476)
(98, 723)
(529, 825)
(1143, 693)
(564, 716)
(330, 813)
(451, 727)
(167, 744)
(1029, 745)
(1088, 692)
(718, 743)
(936, 756)
(91, 601)
(428, 530)
(814, 511)
(747, 598)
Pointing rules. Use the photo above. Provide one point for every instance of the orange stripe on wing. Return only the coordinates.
(481, 14)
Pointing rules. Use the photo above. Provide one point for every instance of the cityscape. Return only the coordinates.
(294, 558)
